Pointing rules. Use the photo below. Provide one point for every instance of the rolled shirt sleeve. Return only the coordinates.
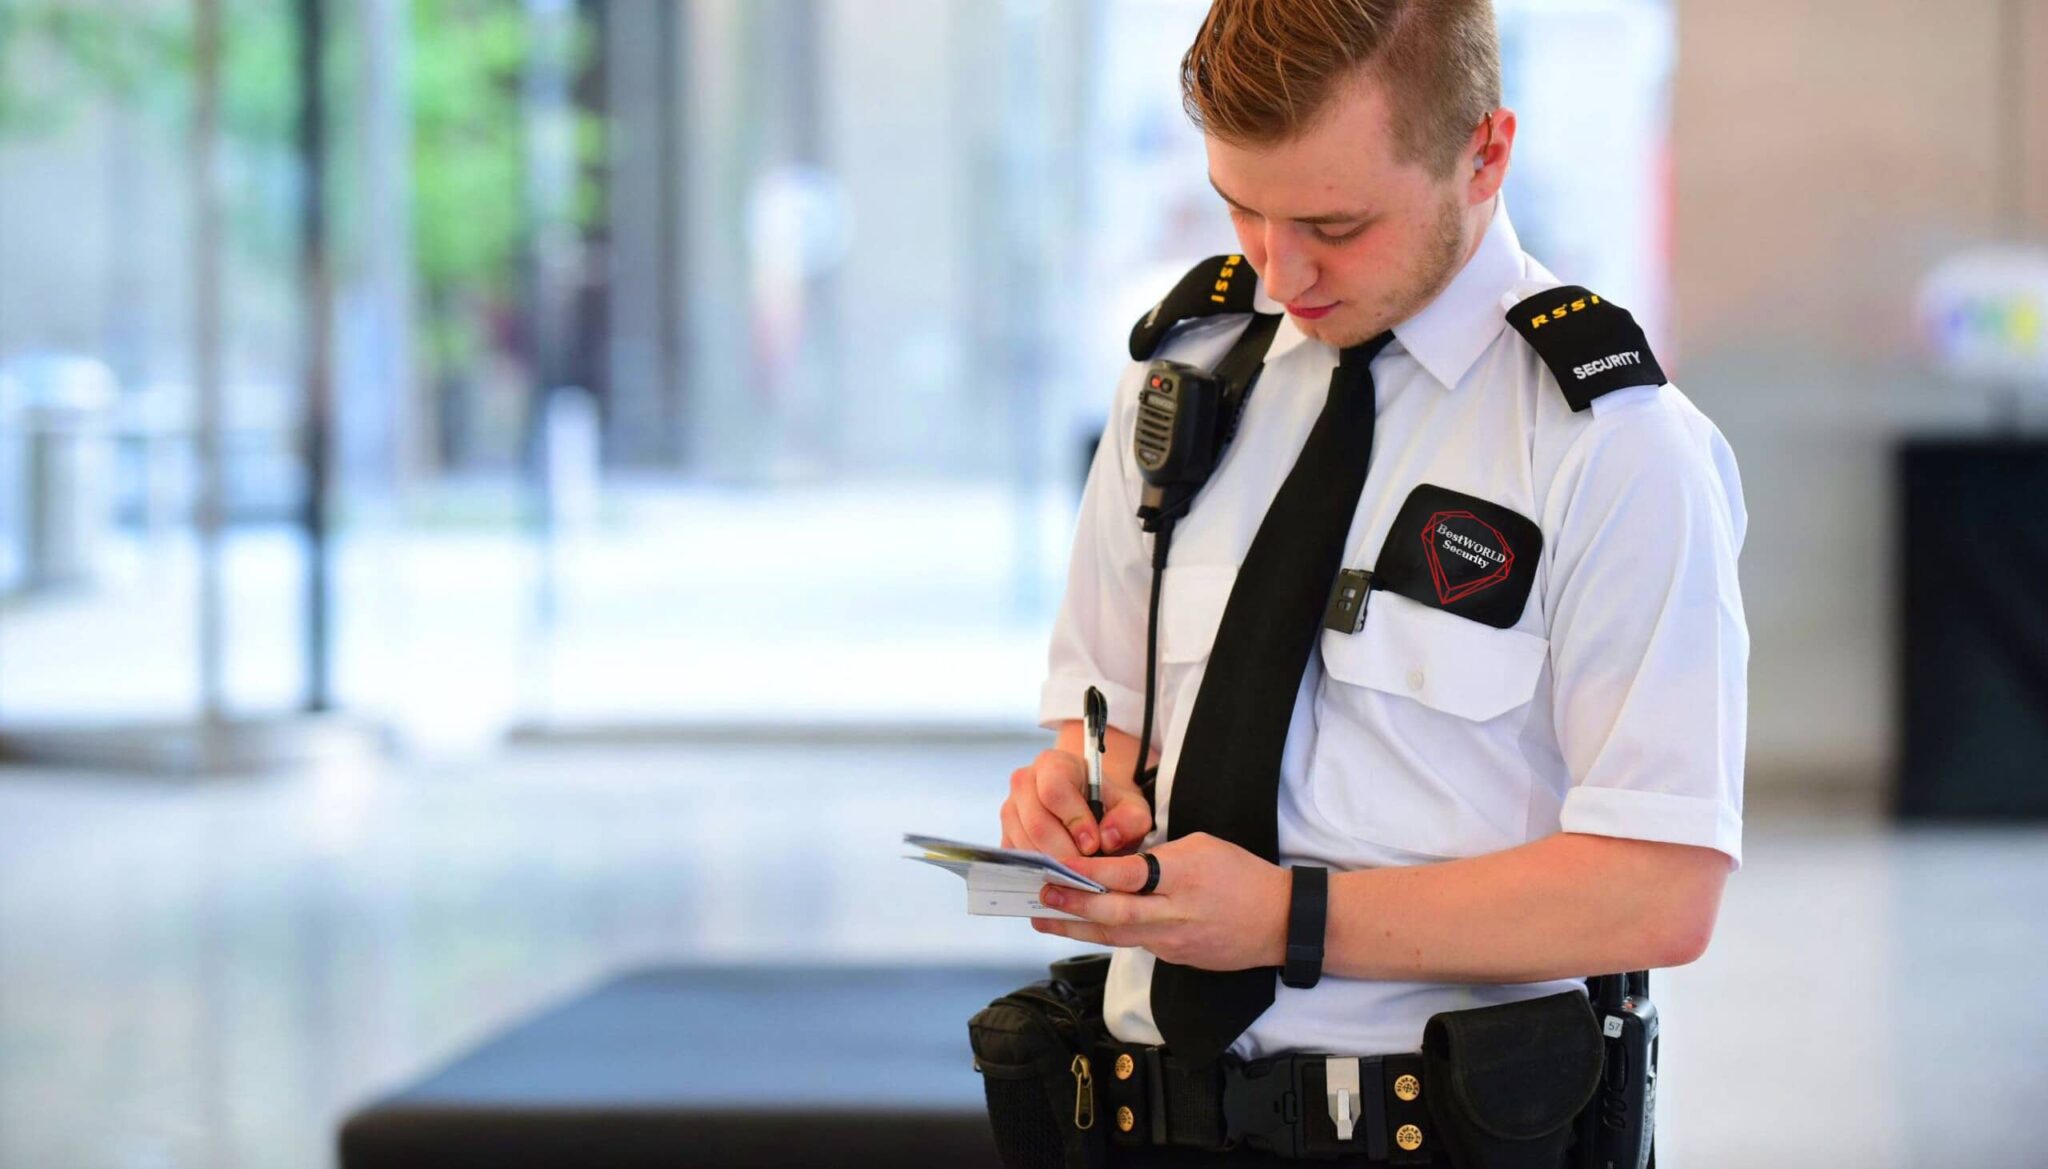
(1649, 647)
(1098, 638)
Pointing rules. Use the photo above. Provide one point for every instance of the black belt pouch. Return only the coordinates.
(1511, 1079)
(1035, 1048)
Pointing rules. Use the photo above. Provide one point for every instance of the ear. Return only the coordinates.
(1491, 146)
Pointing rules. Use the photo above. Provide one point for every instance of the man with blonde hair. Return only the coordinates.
(1444, 634)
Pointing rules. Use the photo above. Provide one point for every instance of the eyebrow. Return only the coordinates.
(1331, 217)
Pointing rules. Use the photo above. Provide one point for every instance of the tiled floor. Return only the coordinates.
(212, 974)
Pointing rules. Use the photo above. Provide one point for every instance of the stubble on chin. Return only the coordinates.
(1344, 336)
(1430, 277)
(1344, 330)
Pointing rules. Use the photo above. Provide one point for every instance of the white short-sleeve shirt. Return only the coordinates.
(1614, 706)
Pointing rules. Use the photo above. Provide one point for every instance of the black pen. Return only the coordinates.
(1096, 719)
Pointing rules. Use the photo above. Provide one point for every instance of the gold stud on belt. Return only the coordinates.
(1408, 1137)
(1407, 1087)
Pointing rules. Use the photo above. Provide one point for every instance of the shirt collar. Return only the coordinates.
(1450, 333)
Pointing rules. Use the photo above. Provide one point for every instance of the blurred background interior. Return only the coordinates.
(487, 485)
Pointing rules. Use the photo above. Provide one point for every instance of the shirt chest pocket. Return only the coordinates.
(1191, 601)
(1419, 743)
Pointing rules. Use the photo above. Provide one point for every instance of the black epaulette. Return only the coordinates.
(1217, 285)
(1593, 346)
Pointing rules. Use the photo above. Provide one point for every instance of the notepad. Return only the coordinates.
(1001, 882)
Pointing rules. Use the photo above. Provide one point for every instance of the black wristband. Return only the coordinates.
(1308, 907)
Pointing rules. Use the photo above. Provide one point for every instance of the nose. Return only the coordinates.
(1288, 271)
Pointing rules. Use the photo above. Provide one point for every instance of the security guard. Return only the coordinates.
(1480, 736)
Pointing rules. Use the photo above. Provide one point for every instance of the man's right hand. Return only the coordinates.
(1047, 810)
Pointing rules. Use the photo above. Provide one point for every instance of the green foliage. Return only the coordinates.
(55, 56)
(470, 213)
(59, 56)
(468, 58)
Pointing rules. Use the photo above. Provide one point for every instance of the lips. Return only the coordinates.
(1311, 314)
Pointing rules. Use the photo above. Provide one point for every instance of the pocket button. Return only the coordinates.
(1415, 679)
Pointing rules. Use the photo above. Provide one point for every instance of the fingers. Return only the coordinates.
(1060, 782)
(1123, 874)
(1126, 820)
(1115, 910)
(1048, 809)
(1127, 816)
(1013, 833)
(1117, 830)
(1087, 931)
(1034, 827)
(1080, 931)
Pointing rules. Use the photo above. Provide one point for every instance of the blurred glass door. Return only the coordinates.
(847, 271)
(699, 362)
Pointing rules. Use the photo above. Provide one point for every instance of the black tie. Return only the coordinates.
(1228, 780)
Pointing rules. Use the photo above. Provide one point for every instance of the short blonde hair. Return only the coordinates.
(1261, 71)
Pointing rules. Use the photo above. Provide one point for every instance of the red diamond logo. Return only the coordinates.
(1465, 553)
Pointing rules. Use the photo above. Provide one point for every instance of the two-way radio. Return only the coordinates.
(1617, 1130)
(1186, 419)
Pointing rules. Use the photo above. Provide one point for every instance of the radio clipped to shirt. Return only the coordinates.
(1186, 415)
(1186, 419)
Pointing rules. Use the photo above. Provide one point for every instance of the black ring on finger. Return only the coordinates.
(1151, 872)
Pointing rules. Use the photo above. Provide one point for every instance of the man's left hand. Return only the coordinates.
(1217, 907)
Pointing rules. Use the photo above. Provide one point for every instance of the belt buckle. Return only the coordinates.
(1263, 1109)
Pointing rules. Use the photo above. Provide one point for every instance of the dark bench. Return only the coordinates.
(711, 1066)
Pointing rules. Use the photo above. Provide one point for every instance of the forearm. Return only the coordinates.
(1566, 906)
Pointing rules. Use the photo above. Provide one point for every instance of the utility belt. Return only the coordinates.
(1539, 1084)
(1288, 1104)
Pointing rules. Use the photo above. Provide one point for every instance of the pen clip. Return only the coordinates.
(1096, 715)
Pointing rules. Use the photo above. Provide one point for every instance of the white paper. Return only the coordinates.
(1002, 882)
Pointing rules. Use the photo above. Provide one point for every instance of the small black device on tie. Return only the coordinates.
(1348, 600)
